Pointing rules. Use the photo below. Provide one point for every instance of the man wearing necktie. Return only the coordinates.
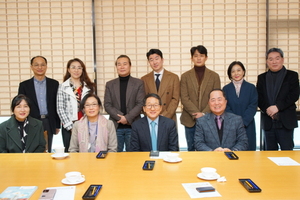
(162, 82)
(220, 130)
(154, 132)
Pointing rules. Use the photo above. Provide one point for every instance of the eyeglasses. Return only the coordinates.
(73, 67)
(90, 105)
(155, 106)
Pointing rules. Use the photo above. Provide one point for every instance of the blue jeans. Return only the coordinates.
(123, 136)
(189, 135)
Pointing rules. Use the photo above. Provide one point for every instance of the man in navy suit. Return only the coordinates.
(42, 91)
(220, 130)
(154, 132)
(278, 90)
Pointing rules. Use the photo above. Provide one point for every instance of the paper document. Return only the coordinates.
(64, 193)
(190, 188)
(284, 161)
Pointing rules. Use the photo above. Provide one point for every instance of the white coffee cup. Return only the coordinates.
(172, 156)
(73, 177)
(208, 172)
(59, 151)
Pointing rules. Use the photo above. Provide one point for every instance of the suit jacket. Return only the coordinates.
(167, 137)
(245, 106)
(285, 101)
(106, 136)
(10, 141)
(134, 99)
(193, 98)
(234, 133)
(169, 91)
(27, 88)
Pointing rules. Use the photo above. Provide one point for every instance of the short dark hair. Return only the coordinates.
(217, 89)
(31, 61)
(154, 51)
(274, 50)
(201, 49)
(17, 100)
(156, 96)
(232, 64)
(88, 95)
(123, 56)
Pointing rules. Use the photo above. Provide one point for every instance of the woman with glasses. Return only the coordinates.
(93, 132)
(69, 95)
(21, 133)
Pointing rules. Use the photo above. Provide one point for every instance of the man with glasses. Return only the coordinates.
(154, 132)
(42, 91)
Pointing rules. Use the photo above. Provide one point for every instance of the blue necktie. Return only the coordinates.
(153, 136)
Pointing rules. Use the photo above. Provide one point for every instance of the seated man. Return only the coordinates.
(220, 130)
(154, 132)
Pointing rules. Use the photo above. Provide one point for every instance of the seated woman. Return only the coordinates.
(21, 133)
(93, 132)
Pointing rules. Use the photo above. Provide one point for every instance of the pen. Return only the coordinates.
(247, 183)
(93, 192)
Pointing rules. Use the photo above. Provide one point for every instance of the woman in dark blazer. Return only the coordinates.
(242, 99)
(21, 133)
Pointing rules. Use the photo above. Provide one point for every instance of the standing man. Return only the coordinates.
(123, 101)
(278, 90)
(162, 82)
(220, 130)
(154, 132)
(195, 86)
(42, 91)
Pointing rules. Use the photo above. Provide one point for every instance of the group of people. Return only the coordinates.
(215, 119)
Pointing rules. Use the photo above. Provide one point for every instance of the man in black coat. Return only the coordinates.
(278, 90)
(42, 91)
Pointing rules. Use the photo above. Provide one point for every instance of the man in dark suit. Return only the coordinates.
(278, 90)
(154, 132)
(42, 91)
(162, 82)
(220, 130)
(123, 101)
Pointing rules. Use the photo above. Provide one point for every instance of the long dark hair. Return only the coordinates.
(84, 78)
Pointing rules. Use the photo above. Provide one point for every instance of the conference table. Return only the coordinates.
(122, 176)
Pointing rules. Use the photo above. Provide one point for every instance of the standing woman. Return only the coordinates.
(21, 133)
(242, 99)
(93, 132)
(75, 86)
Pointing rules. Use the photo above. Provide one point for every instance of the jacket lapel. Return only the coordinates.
(12, 128)
(164, 83)
(116, 87)
(212, 126)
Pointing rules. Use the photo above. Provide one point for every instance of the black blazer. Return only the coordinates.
(285, 101)
(167, 137)
(10, 141)
(27, 88)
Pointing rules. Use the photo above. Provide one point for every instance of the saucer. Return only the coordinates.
(173, 161)
(216, 176)
(66, 182)
(59, 157)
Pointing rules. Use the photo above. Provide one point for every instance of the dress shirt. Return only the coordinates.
(40, 90)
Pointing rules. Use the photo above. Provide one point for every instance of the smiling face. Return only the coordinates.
(199, 59)
(21, 111)
(123, 67)
(237, 73)
(75, 70)
(91, 107)
(217, 102)
(39, 66)
(156, 62)
(152, 108)
(275, 61)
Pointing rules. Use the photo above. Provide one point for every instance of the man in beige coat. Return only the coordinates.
(162, 82)
(195, 86)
